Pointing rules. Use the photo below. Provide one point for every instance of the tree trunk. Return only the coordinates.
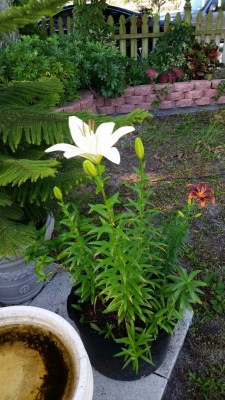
(5, 5)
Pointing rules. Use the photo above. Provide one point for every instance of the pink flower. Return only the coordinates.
(202, 193)
(168, 77)
(179, 74)
(152, 74)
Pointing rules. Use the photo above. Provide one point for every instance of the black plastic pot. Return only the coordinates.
(102, 351)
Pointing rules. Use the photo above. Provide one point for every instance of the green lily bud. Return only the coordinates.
(139, 148)
(198, 215)
(57, 193)
(181, 214)
(89, 168)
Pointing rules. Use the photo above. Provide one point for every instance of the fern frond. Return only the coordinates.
(17, 171)
(17, 17)
(30, 126)
(5, 199)
(12, 213)
(44, 93)
(14, 236)
(136, 116)
(69, 176)
(48, 127)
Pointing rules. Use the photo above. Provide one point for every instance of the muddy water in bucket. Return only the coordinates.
(33, 364)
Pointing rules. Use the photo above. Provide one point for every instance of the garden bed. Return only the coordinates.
(149, 97)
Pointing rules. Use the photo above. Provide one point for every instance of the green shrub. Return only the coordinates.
(169, 49)
(77, 64)
(32, 58)
(106, 69)
(135, 72)
(96, 31)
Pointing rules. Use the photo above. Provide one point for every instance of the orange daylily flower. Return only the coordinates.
(202, 193)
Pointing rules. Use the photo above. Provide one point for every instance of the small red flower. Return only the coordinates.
(202, 193)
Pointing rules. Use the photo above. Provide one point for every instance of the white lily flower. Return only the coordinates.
(90, 145)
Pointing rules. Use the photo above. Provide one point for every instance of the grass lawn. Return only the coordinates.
(182, 149)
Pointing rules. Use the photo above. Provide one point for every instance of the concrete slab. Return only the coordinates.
(176, 342)
(185, 110)
(53, 297)
(149, 388)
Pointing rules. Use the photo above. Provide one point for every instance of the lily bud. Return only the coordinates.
(57, 193)
(198, 215)
(89, 168)
(189, 202)
(139, 148)
(181, 214)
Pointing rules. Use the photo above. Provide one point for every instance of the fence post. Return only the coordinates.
(199, 26)
(69, 24)
(52, 25)
(209, 21)
(60, 25)
(145, 20)
(156, 29)
(187, 12)
(122, 31)
(219, 25)
(133, 42)
(167, 23)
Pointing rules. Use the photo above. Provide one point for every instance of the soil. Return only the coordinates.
(28, 356)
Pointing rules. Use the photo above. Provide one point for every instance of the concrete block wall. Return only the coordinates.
(179, 94)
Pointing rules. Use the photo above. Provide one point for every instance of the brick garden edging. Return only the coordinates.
(179, 94)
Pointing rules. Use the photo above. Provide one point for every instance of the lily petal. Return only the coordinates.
(112, 154)
(193, 187)
(103, 134)
(202, 202)
(77, 130)
(119, 133)
(201, 186)
(63, 147)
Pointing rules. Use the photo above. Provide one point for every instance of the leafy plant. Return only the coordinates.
(118, 253)
(32, 58)
(26, 12)
(135, 72)
(106, 69)
(202, 60)
(96, 31)
(210, 385)
(26, 172)
(172, 75)
(160, 94)
(216, 289)
(77, 64)
(170, 48)
(220, 90)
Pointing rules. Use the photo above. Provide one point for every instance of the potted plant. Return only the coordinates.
(42, 356)
(129, 287)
